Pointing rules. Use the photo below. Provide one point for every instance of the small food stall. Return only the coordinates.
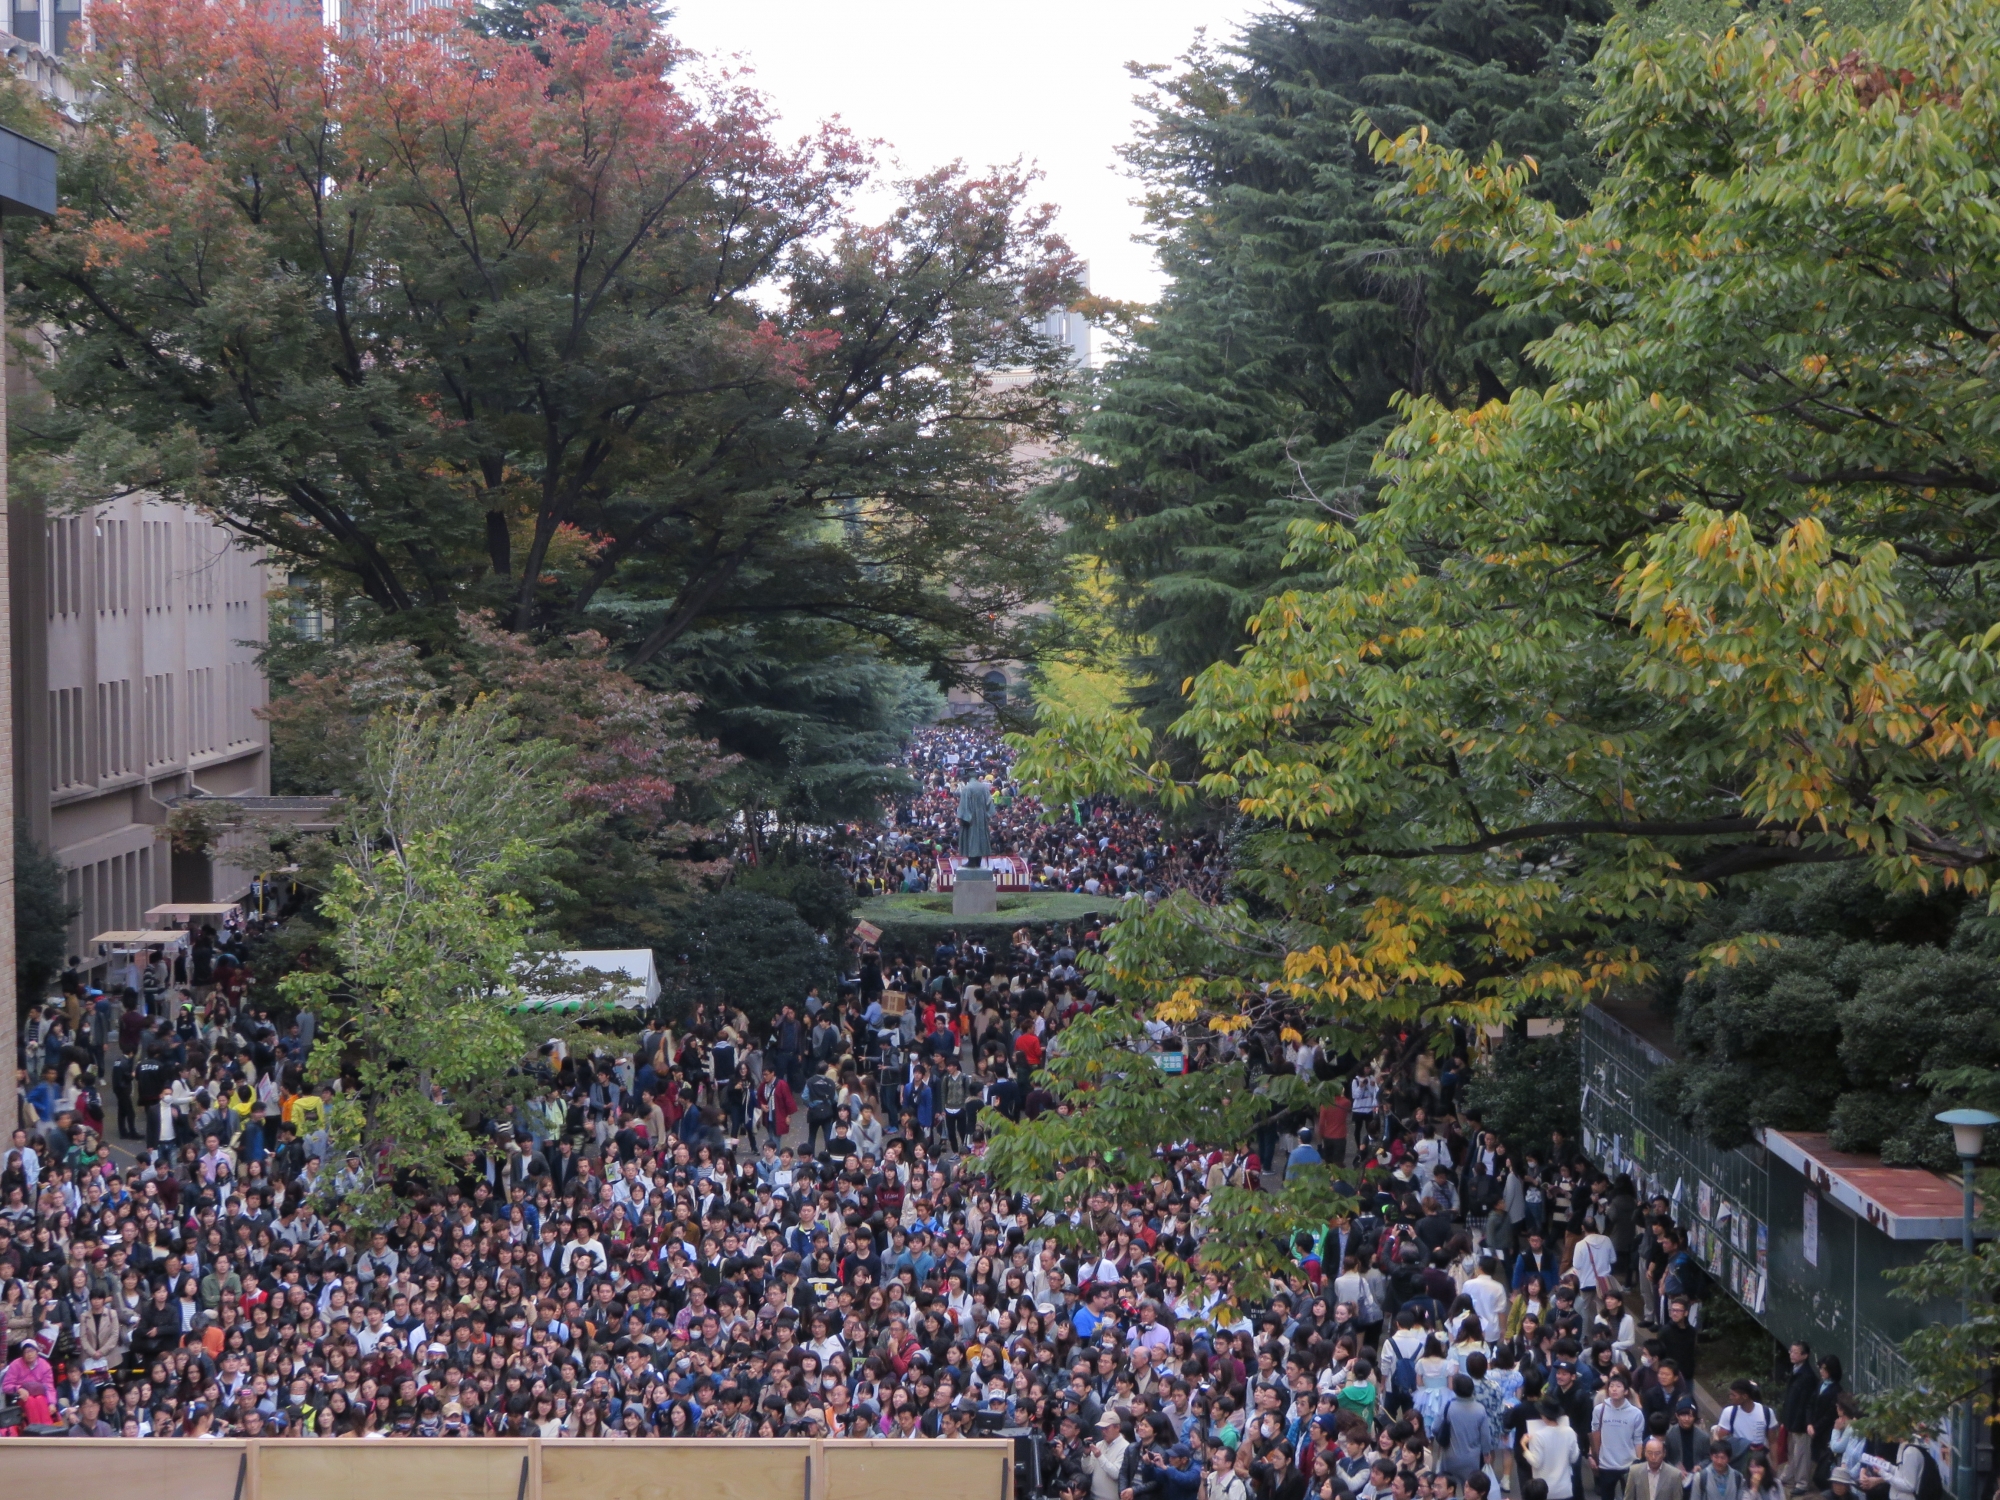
(125, 952)
(217, 912)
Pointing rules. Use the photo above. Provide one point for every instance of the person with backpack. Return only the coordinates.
(1351, 1287)
(822, 1101)
(1684, 1276)
(1718, 1479)
(1400, 1354)
(1905, 1470)
(1745, 1424)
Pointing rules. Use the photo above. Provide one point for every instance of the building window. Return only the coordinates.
(114, 730)
(156, 711)
(68, 757)
(156, 565)
(114, 566)
(201, 710)
(65, 554)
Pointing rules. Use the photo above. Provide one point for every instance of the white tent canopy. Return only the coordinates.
(635, 965)
(175, 911)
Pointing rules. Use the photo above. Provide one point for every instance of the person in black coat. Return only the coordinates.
(159, 1327)
(1825, 1412)
(1687, 1440)
(1795, 1412)
(1678, 1337)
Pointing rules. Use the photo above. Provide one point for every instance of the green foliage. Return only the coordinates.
(1815, 1002)
(455, 826)
(523, 21)
(42, 914)
(1531, 1088)
(194, 826)
(815, 717)
(1119, 1112)
(634, 763)
(747, 949)
(1660, 18)
(1707, 595)
(1297, 310)
(823, 899)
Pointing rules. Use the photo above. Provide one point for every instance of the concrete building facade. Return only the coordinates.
(139, 626)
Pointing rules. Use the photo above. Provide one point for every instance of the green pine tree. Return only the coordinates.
(1298, 310)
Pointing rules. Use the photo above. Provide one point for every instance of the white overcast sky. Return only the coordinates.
(983, 82)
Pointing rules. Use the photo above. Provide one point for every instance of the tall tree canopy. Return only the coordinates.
(1815, 1001)
(1706, 596)
(1297, 308)
(433, 941)
(457, 322)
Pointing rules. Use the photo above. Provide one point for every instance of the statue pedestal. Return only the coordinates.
(973, 893)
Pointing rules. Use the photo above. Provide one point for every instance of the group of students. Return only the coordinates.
(631, 1255)
(1099, 847)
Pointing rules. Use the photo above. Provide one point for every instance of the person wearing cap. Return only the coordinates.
(1106, 1461)
(1176, 1475)
(1569, 1392)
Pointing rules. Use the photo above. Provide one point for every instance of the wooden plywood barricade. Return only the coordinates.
(508, 1469)
(887, 1469)
(676, 1469)
(121, 1469)
(393, 1468)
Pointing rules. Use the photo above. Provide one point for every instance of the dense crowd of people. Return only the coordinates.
(1097, 847)
(783, 1227)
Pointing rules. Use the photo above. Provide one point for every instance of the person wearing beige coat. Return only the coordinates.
(100, 1335)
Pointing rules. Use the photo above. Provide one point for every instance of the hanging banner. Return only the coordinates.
(1009, 872)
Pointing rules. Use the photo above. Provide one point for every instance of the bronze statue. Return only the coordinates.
(975, 813)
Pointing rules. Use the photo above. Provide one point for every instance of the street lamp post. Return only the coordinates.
(1968, 1135)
